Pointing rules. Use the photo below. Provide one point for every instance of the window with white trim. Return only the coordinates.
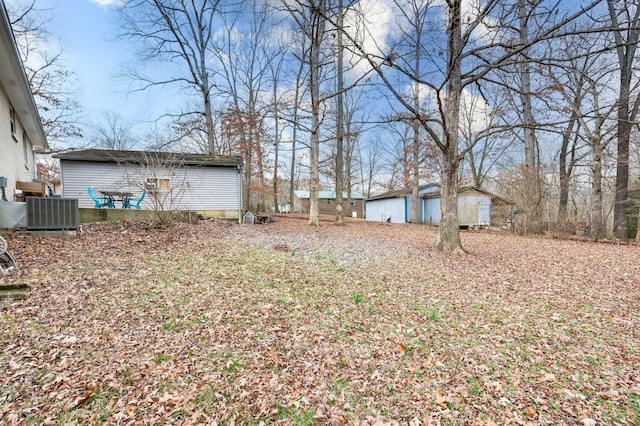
(157, 185)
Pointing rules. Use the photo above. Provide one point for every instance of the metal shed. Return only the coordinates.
(395, 206)
(475, 206)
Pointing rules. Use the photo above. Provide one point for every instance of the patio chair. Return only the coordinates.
(100, 201)
(134, 202)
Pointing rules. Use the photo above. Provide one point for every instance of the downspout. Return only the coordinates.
(239, 195)
(406, 218)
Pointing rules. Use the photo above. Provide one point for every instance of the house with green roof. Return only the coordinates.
(354, 202)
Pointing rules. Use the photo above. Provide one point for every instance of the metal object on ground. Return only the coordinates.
(6, 260)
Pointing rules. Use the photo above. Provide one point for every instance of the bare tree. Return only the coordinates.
(115, 133)
(295, 119)
(583, 83)
(276, 68)
(625, 26)
(472, 49)
(176, 32)
(340, 184)
(162, 178)
(371, 155)
(51, 82)
(484, 149)
(311, 19)
(248, 50)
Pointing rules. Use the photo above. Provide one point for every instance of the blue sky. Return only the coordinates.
(85, 28)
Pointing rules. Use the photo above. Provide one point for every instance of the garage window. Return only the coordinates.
(157, 185)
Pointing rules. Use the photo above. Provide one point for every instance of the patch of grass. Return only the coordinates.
(356, 298)
(434, 315)
(634, 403)
(593, 361)
(296, 416)
(475, 386)
(164, 385)
(160, 358)
(97, 403)
(169, 326)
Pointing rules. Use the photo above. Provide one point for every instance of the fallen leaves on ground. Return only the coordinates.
(218, 323)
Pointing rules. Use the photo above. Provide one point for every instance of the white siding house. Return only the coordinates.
(21, 130)
(210, 185)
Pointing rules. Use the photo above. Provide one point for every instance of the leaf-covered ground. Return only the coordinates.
(287, 324)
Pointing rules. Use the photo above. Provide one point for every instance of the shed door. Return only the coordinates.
(468, 214)
(432, 211)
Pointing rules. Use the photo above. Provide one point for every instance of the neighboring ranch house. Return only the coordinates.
(476, 207)
(21, 131)
(395, 206)
(354, 207)
(208, 184)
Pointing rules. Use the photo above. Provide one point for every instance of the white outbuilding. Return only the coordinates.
(476, 207)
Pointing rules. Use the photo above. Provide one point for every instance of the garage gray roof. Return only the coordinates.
(400, 193)
(143, 157)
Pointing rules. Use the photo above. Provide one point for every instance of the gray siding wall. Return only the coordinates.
(194, 188)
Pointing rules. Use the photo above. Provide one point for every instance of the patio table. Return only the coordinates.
(113, 196)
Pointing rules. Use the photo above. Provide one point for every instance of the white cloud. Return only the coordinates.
(108, 3)
(370, 23)
(475, 113)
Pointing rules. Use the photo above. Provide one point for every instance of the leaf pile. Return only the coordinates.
(282, 323)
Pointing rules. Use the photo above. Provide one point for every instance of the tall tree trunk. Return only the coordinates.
(525, 90)
(565, 168)
(294, 135)
(277, 146)
(531, 169)
(208, 118)
(620, 225)
(638, 226)
(317, 31)
(626, 49)
(449, 231)
(596, 225)
(260, 160)
(340, 126)
(248, 166)
(415, 183)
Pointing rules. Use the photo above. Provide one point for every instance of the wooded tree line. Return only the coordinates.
(533, 100)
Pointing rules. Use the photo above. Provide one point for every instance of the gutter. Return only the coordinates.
(239, 196)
